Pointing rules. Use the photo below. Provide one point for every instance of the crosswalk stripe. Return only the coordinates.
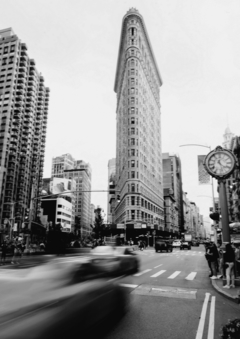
(191, 276)
(140, 273)
(174, 275)
(158, 273)
(158, 266)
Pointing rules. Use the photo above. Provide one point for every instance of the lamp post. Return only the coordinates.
(13, 203)
(213, 200)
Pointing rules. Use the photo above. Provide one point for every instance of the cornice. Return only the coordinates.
(132, 13)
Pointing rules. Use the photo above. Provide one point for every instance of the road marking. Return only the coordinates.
(211, 319)
(174, 275)
(138, 274)
(158, 266)
(129, 285)
(158, 273)
(165, 291)
(202, 317)
(191, 276)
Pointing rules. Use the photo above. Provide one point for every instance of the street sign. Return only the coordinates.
(121, 226)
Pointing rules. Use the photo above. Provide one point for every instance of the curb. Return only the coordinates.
(224, 293)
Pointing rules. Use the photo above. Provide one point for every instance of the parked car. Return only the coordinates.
(163, 245)
(176, 243)
(195, 243)
(186, 245)
(114, 260)
(46, 302)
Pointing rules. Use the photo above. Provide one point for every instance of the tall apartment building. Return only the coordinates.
(138, 151)
(172, 179)
(23, 122)
(82, 174)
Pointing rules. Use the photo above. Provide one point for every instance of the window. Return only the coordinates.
(132, 81)
(132, 187)
(132, 201)
(132, 214)
(133, 152)
(132, 71)
(132, 100)
(12, 48)
(132, 163)
(132, 130)
(132, 110)
(5, 50)
(132, 61)
(132, 141)
(132, 120)
(132, 90)
(132, 174)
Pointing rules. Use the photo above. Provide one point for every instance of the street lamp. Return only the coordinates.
(213, 200)
(12, 203)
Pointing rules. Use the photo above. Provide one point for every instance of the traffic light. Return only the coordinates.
(26, 219)
(214, 216)
(118, 198)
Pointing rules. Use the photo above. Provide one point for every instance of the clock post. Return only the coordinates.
(220, 163)
(224, 211)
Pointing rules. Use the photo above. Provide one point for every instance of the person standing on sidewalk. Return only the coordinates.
(4, 252)
(220, 260)
(229, 257)
(212, 252)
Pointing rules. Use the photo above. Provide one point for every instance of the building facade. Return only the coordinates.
(111, 185)
(172, 180)
(24, 102)
(61, 163)
(82, 174)
(170, 213)
(138, 151)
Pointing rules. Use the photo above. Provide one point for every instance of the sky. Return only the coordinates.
(75, 46)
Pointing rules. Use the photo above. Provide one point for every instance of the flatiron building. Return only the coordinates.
(138, 117)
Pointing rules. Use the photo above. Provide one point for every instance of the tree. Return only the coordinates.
(98, 223)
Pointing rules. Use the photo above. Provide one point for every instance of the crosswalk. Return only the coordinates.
(174, 253)
(190, 276)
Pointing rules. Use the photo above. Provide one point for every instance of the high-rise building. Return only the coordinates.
(138, 147)
(172, 179)
(82, 174)
(111, 186)
(65, 166)
(23, 122)
(61, 163)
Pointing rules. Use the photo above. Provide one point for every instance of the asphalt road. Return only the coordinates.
(172, 298)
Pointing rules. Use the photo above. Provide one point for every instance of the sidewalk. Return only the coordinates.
(232, 293)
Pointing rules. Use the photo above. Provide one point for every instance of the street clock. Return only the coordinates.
(220, 163)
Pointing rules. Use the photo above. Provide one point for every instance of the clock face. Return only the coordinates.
(220, 163)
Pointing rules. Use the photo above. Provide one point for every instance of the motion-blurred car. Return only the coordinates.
(184, 245)
(176, 243)
(56, 300)
(163, 245)
(195, 243)
(114, 260)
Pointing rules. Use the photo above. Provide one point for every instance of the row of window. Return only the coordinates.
(7, 49)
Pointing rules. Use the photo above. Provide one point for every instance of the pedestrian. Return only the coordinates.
(229, 258)
(212, 253)
(207, 256)
(141, 245)
(4, 252)
(220, 260)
